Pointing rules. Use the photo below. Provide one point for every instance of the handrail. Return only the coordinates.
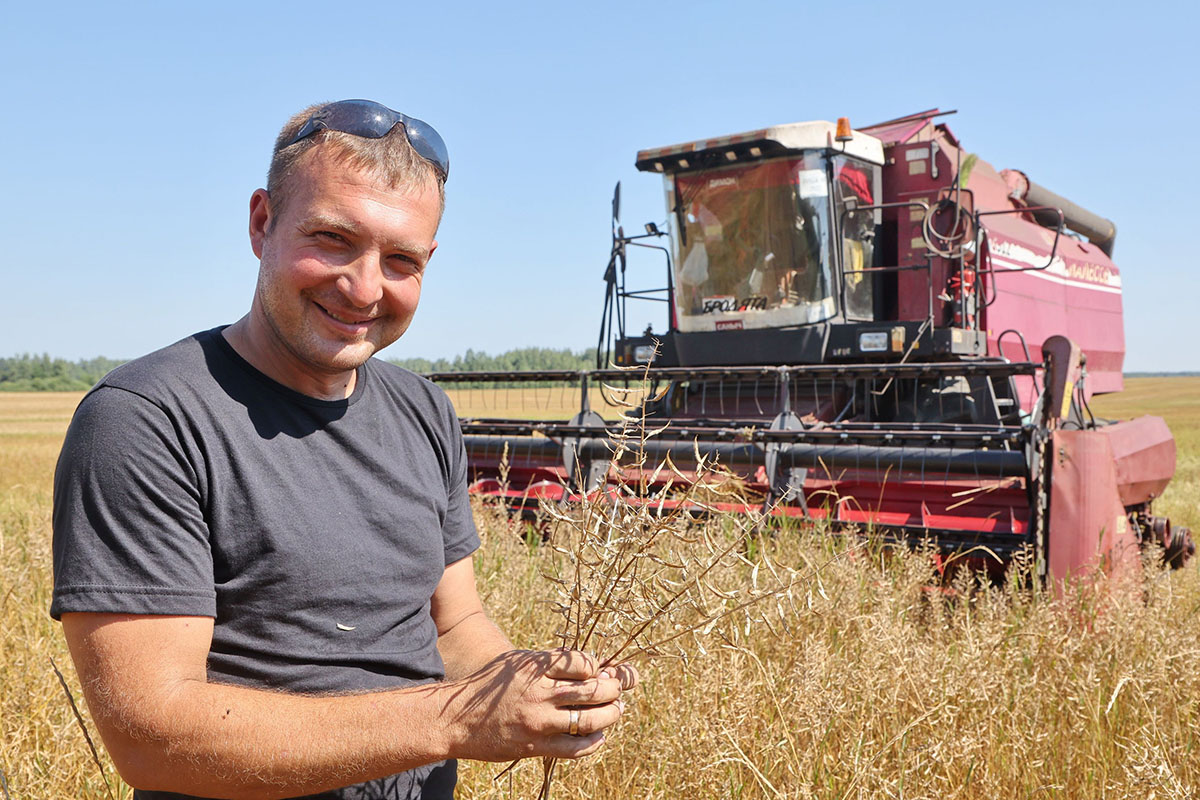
(927, 267)
(1057, 233)
(1023, 210)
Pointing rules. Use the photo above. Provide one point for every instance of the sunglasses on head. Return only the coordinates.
(371, 120)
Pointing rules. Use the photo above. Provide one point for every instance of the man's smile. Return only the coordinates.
(344, 318)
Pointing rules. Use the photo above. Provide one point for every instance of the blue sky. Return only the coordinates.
(136, 132)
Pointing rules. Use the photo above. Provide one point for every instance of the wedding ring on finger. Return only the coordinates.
(573, 726)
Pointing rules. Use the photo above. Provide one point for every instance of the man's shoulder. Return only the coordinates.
(406, 380)
(159, 375)
(414, 392)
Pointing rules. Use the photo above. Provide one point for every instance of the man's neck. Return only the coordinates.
(265, 353)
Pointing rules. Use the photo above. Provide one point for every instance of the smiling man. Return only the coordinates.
(262, 541)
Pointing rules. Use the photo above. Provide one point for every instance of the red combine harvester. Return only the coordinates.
(871, 327)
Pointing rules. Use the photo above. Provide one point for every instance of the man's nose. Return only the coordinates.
(361, 282)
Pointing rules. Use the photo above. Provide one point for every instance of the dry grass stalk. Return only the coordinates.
(82, 726)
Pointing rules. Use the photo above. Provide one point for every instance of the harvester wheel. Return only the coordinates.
(1177, 543)
(1180, 548)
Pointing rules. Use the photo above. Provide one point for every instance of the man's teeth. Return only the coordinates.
(347, 320)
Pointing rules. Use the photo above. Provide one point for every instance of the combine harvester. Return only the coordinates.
(871, 327)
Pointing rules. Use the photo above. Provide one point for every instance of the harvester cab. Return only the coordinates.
(772, 232)
(781, 244)
(869, 327)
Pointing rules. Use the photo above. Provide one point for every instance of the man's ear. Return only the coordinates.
(260, 219)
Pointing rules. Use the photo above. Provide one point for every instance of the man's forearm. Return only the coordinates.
(470, 644)
(167, 728)
(467, 639)
(228, 741)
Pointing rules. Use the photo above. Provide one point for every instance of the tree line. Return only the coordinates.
(32, 373)
(525, 358)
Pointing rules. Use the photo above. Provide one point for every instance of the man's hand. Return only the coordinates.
(523, 703)
(510, 703)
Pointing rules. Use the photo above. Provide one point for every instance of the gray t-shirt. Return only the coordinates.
(313, 531)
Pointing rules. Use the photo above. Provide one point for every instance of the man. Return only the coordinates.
(261, 535)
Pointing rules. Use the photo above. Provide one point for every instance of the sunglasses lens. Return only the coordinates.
(370, 120)
(359, 117)
(428, 144)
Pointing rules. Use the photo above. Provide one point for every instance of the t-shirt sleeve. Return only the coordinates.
(129, 530)
(458, 533)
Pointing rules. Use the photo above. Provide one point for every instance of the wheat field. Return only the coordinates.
(866, 682)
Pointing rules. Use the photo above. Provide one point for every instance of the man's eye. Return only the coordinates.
(405, 263)
(330, 236)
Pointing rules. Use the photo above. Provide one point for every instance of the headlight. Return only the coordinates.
(873, 342)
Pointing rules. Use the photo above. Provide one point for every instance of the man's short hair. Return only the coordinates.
(390, 159)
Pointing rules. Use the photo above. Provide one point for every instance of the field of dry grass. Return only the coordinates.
(532, 402)
(864, 683)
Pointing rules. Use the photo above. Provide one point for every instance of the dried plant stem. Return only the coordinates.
(548, 765)
(82, 726)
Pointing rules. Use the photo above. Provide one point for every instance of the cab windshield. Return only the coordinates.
(752, 245)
